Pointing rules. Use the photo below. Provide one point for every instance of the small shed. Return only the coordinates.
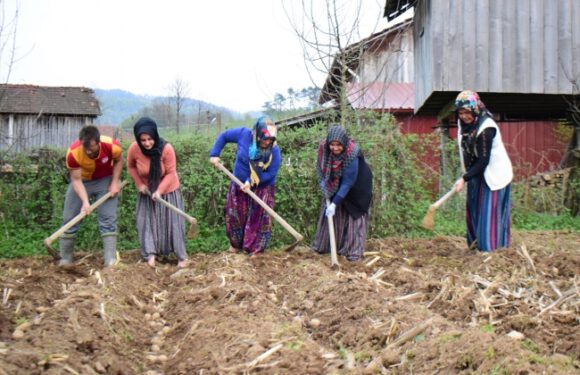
(41, 116)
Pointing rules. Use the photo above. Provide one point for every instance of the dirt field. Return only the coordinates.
(412, 306)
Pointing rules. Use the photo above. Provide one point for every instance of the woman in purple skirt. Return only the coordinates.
(487, 172)
(248, 225)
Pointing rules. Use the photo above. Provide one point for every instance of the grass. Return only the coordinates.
(487, 328)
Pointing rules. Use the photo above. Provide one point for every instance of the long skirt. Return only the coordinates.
(487, 216)
(161, 231)
(248, 225)
(350, 233)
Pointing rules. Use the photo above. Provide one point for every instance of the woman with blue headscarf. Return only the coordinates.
(248, 225)
(487, 172)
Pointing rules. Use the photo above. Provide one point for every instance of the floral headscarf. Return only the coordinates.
(467, 134)
(329, 167)
(145, 125)
(470, 100)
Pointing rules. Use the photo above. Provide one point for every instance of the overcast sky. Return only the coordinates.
(233, 53)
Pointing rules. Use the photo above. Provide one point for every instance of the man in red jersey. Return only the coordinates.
(95, 163)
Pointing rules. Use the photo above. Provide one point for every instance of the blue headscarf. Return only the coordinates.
(262, 131)
(260, 158)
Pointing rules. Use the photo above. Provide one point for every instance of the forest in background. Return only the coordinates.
(176, 110)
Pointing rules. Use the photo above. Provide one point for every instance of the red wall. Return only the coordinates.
(533, 146)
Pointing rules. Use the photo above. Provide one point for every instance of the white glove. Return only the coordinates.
(330, 209)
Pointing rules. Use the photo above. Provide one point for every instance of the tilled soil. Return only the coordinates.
(426, 306)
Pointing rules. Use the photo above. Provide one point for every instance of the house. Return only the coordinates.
(40, 116)
(522, 57)
(524, 62)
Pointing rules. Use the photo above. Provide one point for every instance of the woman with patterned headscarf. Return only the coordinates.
(488, 173)
(248, 225)
(152, 165)
(345, 180)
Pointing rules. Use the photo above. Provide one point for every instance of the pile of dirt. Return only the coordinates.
(411, 306)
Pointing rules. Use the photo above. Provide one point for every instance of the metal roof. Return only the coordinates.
(30, 99)
(395, 97)
(307, 119)
(508, 105)
(394, 8)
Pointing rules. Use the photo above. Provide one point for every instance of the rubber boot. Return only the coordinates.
(67, 246)
(110, 249)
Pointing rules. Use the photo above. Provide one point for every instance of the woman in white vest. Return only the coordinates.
(487, 171)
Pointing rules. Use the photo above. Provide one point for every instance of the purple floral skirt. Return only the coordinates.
(248, 225)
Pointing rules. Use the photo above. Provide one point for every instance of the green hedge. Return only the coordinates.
(32, 195)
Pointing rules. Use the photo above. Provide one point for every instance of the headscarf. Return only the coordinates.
(329, 166)
(145, 125)
(467, 133)
(260, 158)
(470, 100)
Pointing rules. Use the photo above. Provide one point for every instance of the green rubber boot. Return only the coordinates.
(67, 246)
(110, 249)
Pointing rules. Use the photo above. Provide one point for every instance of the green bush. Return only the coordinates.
(32, 195)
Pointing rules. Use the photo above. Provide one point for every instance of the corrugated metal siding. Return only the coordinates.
(502, 46)
(533, 146)
(428, 156)
(392, 97)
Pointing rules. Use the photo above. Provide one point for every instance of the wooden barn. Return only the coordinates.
(522, 56)
(38, 116)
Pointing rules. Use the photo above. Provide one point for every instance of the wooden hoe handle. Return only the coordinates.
(332, 238)
(178, 211)
(443, 199)
(49, 240)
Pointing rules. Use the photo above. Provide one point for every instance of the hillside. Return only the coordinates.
(118, 105)
(423, 306)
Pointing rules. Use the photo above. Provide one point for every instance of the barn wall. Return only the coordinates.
(501, 46)
(392, 63)
(30, 132)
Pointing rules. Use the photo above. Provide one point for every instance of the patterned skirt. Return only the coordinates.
(350, 233)
(487, 215)
(248, 225)
(161, 231)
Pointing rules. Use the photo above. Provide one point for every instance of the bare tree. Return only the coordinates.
(8, 27)
(571, 157)
(179, 91)
(330, 35)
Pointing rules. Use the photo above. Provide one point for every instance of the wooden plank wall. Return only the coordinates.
(31, 132)
(503, 46)
(392, 64)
